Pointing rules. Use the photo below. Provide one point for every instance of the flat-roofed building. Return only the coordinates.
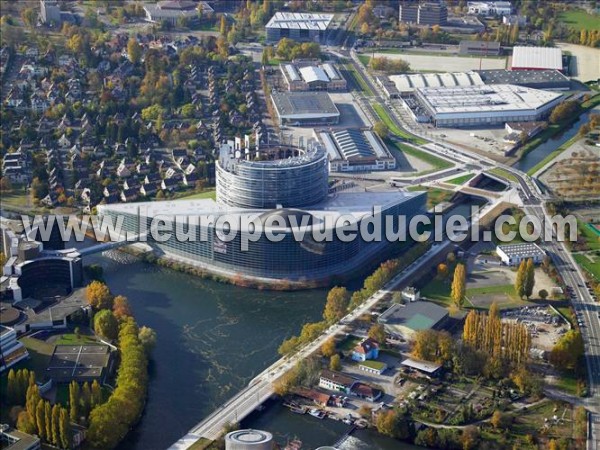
(11, 350)
(489, 105)
(513, 254)
(537, 79)
(423, 13)
(408, 83)
(490, 8)
(482, 48)
(536, 58)
(406, 320)
(355, 150)
(425, 367)
(305, 108)
(309, 75)
(298, 26)
(17, 440)
(171, 11)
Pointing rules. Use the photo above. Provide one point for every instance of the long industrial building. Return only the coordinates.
(305, 108)
(309, 75)
(298, 255)
(537, 58)
(355, 150)
(298, 26)
(406, 83)
(485, 105)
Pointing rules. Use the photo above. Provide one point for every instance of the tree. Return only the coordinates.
(147, 337)
(543, 294)
(335, 363)
(96, 398)
(337, 303)
(223, 26)
(48, 417)
(529, 281)
(381, 129)
(12, 388)
(377, 333)
(365, 411)
(56, 424)
(134, 50)
(459, 285)
(392, 423)
(520, 280)
(74, 412)
(85, 399)
(98, 295)
(328, 347)
(364, 28)
(29, 17)
(121, 307)
(25, 423)
(106, 325)
(567, 351)
(442, 271)
(469, 438)
(564, 111)
(65, 429)
(40, 419)
(500, 420)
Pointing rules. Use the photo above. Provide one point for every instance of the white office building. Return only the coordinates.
(513, 254)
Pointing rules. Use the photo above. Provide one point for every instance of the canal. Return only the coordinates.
(540, 152)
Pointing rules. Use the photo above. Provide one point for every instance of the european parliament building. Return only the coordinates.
(281, 190)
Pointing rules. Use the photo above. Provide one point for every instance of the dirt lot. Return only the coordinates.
(436, 63)
(544, 324)
(585, 61)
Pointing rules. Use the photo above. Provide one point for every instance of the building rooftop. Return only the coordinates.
(304, 105)
(495, 97)
(423, 366)
(537, 58)
(418, 315)
(366, 346)
(530, 78)
(357, 204)
(486, 46)
(338, 377)
(300, 21)
(16, 440)
(410, 82)
(353, 144)
(313, 73)
(524, 249)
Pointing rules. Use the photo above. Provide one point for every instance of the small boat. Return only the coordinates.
(348, 421)
(317, 413)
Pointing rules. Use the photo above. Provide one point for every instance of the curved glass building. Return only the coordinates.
(294, 178)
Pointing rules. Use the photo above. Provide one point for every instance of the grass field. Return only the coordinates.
(15, 198)
(593, 267)
(206, 194)
(72, 339)
(461, 180)
(435, 196)
(39, 355)
(365, 59)
(592, 239)
(432, 160)
(359, 80)
(348, 344)
(395, 129)
(580, 19)
(503, 174)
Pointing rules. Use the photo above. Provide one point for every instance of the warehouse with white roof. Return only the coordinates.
(536, 58)
(298, 26)
(354, 150)
(407, 83)
(488, 105)
(310, 75)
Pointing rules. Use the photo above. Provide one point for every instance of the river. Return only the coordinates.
(213, 338)
(541, 151)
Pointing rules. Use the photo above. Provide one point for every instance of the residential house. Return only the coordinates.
(129, 195)
(367, 349)
(366, 392)
(336, 381)
(152, 178)
(169, 184)
(190, 179)
(149, 189)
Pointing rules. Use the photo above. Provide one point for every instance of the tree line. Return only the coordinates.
(34, 414)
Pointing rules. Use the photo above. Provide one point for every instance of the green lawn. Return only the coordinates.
(503, 174)
(432, 160)
(72, 339)
(395, 129)
(348, 344)
(568, 383)
(206, 194)
(14, 198)
(461, 180)
(435, 196)
(377, 365)
(359, 80)
(365, 59)
(580, 19)
(591, 237)
(39, 355)
(591, 267)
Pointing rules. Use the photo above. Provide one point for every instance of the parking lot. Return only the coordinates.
(545, 326)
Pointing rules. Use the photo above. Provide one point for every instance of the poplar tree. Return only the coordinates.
(74, 401)
(48, 416)
(65, 429)
(56, 424)
(459, 285)
(96, 398)
(12, 388)
(40, 419)
(529, 281)
(520, 280)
